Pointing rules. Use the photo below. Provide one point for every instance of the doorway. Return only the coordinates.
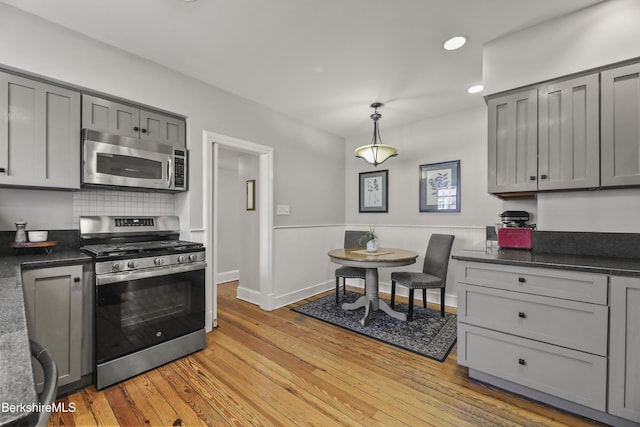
(213, 142)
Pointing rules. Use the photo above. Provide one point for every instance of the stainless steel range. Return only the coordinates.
(149, 294)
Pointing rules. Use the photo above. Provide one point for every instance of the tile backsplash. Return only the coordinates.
(94, 201)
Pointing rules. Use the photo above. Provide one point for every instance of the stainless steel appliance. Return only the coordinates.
(149, 294)
(118, 161)
(515, 233)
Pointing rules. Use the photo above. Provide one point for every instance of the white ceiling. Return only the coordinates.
(322, 62)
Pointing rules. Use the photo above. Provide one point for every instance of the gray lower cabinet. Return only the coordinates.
(624, 368)
(53, 299)
(543, 329)
(130, 121)
(620, 118)
(39, 134)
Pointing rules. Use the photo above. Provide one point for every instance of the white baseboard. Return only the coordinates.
(227, 276)
(249, 295)
(301, 294)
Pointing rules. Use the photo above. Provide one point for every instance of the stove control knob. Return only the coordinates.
(116, 267)
(132, 264)
(181, 259)
(158, 261)
(193, 257)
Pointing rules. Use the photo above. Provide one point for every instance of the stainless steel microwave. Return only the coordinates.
(117, 161)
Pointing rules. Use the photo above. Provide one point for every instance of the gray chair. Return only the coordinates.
(433, 276)
(50, 387)
(351, 240)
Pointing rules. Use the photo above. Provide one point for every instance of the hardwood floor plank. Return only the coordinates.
(281, 368)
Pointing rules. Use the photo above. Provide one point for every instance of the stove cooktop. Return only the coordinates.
(141, 248)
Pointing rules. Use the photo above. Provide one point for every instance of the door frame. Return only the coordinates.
(212, 141)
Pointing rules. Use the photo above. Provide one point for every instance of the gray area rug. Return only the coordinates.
(427, 334)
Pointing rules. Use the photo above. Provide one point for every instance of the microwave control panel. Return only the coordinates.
(179, 174)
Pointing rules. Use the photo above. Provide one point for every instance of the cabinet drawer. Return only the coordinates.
(568, 374)
(577, 325)
(571, 285)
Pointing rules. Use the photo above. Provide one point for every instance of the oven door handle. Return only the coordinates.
(110, 278)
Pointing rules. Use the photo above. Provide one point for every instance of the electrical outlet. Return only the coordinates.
(282, 209)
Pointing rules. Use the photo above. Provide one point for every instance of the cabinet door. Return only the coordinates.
(624, 342)
(513, 142)
(108, 116)
(161, 128)
(53, 298)
(568, 134)
(39, 134)
(620, 117)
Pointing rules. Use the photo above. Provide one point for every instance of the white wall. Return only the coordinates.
(460, 136)
(249, 287)
(596, 36)
(230, 199)
(602, 34)
(301, 153)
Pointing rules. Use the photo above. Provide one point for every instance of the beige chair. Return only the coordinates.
(433, 276)
(351, 240)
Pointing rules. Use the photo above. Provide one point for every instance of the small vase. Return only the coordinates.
(372, 246)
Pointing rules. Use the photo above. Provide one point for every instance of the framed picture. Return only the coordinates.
(373, 191)
(251, 195)
(440, 187)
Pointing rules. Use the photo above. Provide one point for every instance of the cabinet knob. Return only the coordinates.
(136, 128)
(143, 130)
(522, 315)
(543, 176)
(522, 280)
(532, 178)
(2, 170)
(76, 279)
(522, 362)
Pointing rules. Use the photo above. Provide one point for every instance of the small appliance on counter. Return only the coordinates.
(515, 233)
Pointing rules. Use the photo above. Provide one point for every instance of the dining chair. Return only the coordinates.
(433, 275)
(351, 240)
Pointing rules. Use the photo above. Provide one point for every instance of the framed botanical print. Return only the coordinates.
(373, 191)
(251, 195)
(440, 187)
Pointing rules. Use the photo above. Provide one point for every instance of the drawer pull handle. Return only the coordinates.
(522, 362)
(522, 280)
(522, 315)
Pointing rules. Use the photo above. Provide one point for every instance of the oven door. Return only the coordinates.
(138, 310)
(118, 161)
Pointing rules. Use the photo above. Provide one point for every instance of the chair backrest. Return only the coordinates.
(436, 260)
(352, 239)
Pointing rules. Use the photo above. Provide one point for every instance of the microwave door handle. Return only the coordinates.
(169, 172)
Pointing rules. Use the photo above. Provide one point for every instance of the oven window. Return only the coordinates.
(128, 166)
(137, 314)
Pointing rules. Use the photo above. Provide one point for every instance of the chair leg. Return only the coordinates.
(410, 316)
(337, 288)
(393, 293)
(424, 297)
(442, 302)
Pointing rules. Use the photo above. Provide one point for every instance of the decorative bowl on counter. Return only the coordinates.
(38, 236)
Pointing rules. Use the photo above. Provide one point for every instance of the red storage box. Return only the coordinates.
(515, 237)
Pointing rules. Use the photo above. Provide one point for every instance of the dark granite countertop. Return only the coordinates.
(16, 376)
(593, 264)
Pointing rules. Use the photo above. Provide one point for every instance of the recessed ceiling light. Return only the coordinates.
(475, 89)
(455, 42)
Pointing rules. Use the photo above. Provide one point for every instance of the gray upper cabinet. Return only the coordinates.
(568, 134)
(39, 134)
(513, 138)
(624, 342)
(121, 119)
(620, 117)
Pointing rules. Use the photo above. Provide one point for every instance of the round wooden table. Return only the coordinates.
(371, 261)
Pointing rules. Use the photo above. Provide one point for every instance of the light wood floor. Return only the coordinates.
(281, 368)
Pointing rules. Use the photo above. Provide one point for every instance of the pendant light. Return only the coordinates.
(376, 152)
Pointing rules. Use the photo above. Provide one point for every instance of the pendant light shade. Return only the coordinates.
(376, 152)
